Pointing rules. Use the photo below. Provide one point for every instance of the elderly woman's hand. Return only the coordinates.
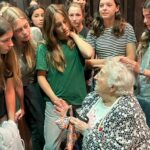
(79, 125)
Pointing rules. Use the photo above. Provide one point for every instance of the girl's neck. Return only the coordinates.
(108, 23)
(79, 29)
(20, 44)
(19, 47)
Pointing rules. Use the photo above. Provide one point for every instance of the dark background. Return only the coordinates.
(131, 9)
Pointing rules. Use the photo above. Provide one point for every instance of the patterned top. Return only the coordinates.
(124, 128)
(107, 45)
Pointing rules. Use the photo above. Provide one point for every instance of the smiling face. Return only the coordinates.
(107, 9)
(38, 17)
(61, 29)
(21, 30)
(6, 42)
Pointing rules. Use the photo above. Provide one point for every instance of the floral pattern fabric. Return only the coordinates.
(124, 128)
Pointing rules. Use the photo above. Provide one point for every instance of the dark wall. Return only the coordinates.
(132, 10)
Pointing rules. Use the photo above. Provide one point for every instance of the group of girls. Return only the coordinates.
(55, 66)
(27, 90)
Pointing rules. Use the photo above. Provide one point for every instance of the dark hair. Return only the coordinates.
(146, 4)
(55, 56)
(30, 10)
(98, 23)
(4, 26)
(145, 37)
(73, 4)
(8, 62)
(88, 18)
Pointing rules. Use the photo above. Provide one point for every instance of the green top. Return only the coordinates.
(69, 85)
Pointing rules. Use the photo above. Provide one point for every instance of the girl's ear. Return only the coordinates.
(117, 8)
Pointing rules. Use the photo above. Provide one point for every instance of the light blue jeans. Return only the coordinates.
(52, 133)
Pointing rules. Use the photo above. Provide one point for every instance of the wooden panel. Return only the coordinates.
(138, 18)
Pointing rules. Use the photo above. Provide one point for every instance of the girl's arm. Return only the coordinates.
(135, 66)
(10, 99)
(20, 93)
(94, 63)
(61, 105)
(86, 49)
(130, 50)
(99, 63)
(45, 86)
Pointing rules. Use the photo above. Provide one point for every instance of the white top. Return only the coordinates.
(98, 111)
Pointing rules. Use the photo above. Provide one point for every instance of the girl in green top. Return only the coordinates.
(60, 65)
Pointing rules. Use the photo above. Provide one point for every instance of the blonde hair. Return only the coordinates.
(74, 4)
(12, 14)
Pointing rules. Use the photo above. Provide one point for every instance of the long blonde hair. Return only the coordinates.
(12, 14)
(55, 55)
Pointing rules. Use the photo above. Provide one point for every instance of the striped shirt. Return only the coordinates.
(107, 45)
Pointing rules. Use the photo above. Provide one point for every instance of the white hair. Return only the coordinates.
(120, 77)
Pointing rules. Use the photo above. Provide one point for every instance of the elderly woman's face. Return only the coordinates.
(101, 82)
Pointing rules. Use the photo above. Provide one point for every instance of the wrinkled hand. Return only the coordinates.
(133, 65)
(19, 114)
(80, 126)
(61, 107)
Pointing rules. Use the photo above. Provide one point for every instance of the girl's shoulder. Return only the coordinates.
(128, 26)
(42, 48)
(42, 45)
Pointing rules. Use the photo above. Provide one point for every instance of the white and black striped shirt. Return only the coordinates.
(107, 45)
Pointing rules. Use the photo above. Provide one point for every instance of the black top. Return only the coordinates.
(84, 32)
(3, 110)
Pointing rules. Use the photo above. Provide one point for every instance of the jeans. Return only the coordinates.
(52, 133)
(34, 108)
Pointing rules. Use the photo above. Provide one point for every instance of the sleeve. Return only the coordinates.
(129, 31)
(91, 39)
(41, 59)
(117, 137)
(36, 34)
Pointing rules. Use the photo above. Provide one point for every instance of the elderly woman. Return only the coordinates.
(113, 118)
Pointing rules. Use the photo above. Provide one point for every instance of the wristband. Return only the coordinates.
(142, 71)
